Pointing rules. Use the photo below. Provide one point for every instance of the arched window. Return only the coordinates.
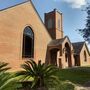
(67, 51)
(68, 54)
(28, 43)
(85, 56)
(66, 59)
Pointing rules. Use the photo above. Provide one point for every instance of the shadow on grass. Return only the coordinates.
(78, 75)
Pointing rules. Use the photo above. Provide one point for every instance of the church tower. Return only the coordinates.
(53, 23)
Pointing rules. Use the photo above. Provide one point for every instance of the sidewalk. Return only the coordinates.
(86, 86)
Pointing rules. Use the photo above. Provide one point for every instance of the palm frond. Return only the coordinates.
(6, 79)
(3, 66)
(41, 73)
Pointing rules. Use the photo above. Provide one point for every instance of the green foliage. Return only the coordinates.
(78, 75)
(3, 67)
(85, 32)
(43, 75)
(65, 86)
(7, 80)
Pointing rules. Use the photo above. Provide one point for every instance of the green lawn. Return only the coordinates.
(78, 75)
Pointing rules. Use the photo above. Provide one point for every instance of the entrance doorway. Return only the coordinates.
(53, 56)
(60, 63)
(68, 54)
(76, 60)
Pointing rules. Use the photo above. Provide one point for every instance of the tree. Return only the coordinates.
(43, 75)
(85, 32)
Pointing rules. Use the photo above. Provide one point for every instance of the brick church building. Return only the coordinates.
(23, 35)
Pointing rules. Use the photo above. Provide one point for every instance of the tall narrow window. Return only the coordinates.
(28, 43)
(59, 24)
(66, 57)
(85, 56)
(50, 23)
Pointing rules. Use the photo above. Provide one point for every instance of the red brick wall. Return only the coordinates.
(12, 23)
(55, 32)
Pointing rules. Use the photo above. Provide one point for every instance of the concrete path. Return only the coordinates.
(82, 88)
(86, 86)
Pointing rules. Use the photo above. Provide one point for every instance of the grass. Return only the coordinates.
(78, 75)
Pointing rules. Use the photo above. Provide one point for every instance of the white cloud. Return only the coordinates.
(74, 3)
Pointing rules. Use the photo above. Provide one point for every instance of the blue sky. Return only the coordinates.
(73, 17)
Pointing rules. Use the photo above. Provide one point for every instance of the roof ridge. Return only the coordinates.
(14, 5)
(78, 42)
(78, 46)
(58, 39)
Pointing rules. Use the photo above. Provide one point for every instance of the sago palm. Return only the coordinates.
(42, 74)
(6, 79)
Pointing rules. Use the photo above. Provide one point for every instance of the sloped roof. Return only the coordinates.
(77, 47)
(13, 6)
(57, 42)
